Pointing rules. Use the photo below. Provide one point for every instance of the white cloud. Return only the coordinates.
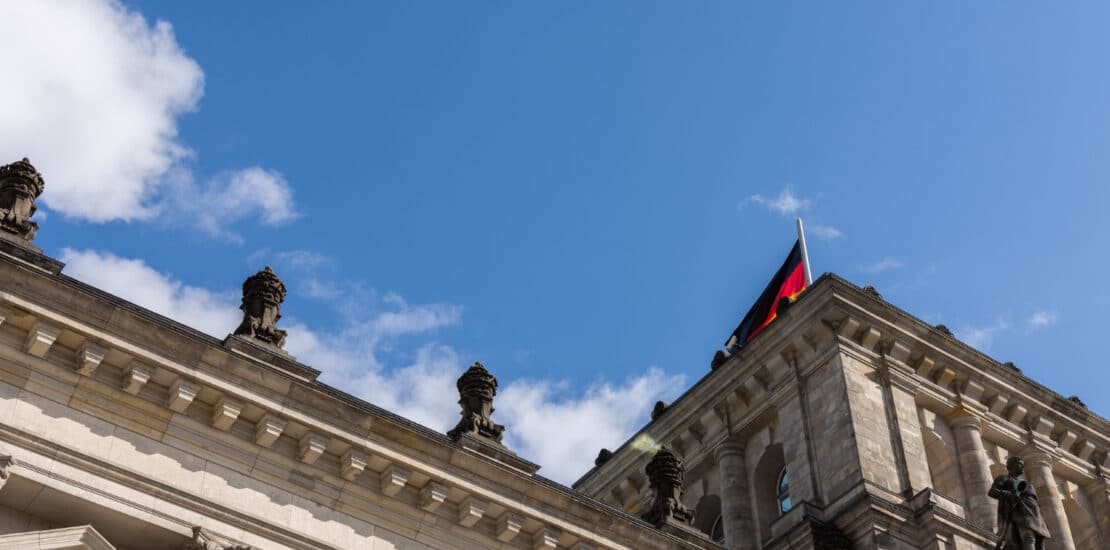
(786, 203)
(981, 337)
(564, 434)
(363, 356)
(230, 197)
(216, 313)
(825, 232)
(1042, 319)
(882, 265)
(95, 103)
(310, 269)
(408, 319)
(304, 259)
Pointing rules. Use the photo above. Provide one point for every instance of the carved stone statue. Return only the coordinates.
(263, 294)
(603, 456)
(20, 185)
(476, 390)
(658, 410)
(6, 461)
(719, 358)
(201, 541)
(665, 475)
(1020, 525)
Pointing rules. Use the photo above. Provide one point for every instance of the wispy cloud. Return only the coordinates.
(101, 91)
(214, 312)
(384, 350)
(304, 259)
(216, 205)
(1041, 319)
(786, 203)
(825, 232)
(886, 264)
(981, 337)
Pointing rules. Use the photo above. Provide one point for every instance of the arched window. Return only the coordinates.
(717, 534)
(783, 492)
(707, 517)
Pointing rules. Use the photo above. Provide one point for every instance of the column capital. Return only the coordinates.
(728, 447)
(963, 416)
(1036, 453)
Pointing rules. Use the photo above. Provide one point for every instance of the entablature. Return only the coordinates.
(186, 389)
(945, 374)
(835, 317)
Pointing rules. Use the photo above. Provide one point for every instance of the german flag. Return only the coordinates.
(789, 282)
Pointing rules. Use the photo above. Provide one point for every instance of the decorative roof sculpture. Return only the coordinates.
(665, 475)
(603, 456)
(476, 390)
(263, 294)
(20, 185)
(201, 541)
(719, 358)
(658, 410)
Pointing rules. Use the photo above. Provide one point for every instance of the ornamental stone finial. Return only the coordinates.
(476, 390)
(658, 410)
(201, 541)
(20, 185)
(665, 475)
(6, 461)
(719, 358)
(603, 456)
(263, 294)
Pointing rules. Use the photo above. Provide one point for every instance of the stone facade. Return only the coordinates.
(849, 423)
(846, 424)
(121, 429)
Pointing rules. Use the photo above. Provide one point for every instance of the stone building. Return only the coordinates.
(846, 423)
(120, 428)
(850, 423)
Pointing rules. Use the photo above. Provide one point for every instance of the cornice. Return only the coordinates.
(746, 388)
(949, 374)
(940, 371)
(166, 364)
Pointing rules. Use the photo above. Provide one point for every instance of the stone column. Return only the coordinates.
(735, 496)
(1098, 492)
(975, 468)
(1038, 468)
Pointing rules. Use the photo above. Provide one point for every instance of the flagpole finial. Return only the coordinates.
(805, 251)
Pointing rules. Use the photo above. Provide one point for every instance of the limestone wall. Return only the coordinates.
(145, 429)
(892, 432)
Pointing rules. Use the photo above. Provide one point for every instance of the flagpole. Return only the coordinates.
(805, 253)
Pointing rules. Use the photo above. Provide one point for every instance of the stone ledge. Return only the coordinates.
(68, 538)
(271, 355)
(496, 451)
(28, 254)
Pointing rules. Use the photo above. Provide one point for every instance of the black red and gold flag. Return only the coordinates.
(789, 282)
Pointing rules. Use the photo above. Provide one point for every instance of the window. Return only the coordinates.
(717, 533)
(783, 492)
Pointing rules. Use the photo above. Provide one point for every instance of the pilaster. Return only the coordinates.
(1098, 492)
(905, 425)
(1038, 466)
(736, 513)
(967, 429)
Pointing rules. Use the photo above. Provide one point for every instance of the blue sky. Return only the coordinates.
(585, 196)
